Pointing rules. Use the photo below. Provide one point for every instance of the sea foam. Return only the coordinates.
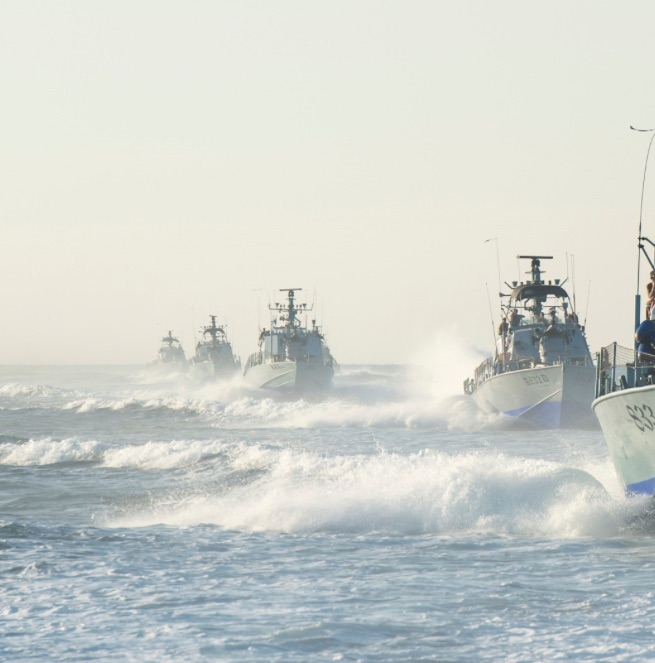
(425, 493)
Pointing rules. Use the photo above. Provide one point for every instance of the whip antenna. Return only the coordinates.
(491, 315)
(641, 209)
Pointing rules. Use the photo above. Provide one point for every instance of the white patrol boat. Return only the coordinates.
(542, 371)
(214, 357)
(625, 389)
(625, 408)
(290, 356)
(171, 354)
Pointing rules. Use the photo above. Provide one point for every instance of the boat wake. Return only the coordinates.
(366, 396)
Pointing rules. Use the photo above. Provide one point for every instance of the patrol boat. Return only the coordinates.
(625, 407)
(171, 353)
(542, 372)
(291, 356)
(214, 357)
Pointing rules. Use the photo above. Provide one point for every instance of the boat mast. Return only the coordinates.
(290, 309)
(535, 273)
(213, 331)
(535, 266)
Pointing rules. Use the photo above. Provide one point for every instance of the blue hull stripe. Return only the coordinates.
(642, 487)
(553, 414)
(544, 414)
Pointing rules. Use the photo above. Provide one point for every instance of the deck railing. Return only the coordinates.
(618, 367)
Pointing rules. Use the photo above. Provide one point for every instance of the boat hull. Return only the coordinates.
(627, 419)
(557, 396)
(290, 376)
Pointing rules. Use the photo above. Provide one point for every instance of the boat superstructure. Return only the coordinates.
(291, 355)
(171, 353)
(214, 357)
(542, 371)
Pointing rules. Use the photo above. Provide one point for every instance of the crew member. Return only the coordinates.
(650, 294)
(645, 337)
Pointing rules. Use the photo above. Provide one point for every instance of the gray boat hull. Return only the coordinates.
(297, 376)
(557, 396)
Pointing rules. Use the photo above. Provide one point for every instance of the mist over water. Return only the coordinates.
(146, 504)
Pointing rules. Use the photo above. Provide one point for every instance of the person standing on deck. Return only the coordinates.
(645, 337)
(650, 292)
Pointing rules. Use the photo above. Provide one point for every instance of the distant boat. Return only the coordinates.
(214, 358)
(542, 371)
(171, 354)
(291, 356)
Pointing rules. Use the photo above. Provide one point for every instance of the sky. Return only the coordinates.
(163, 161)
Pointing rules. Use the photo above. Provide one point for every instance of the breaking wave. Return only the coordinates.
(430, 492)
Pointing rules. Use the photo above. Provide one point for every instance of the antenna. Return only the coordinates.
(575, 308)
(641, 209)
(491, 314)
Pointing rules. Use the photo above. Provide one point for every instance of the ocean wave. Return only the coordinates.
(48, 451)
(454, 413)
(134, 402)
(365, 396)
(163, 455)
(30, 391)
(430, 492)
(268, 412)
(152, 455)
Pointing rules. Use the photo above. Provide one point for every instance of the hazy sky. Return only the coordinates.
(163, 161)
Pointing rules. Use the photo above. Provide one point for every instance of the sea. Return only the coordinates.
(147, 517)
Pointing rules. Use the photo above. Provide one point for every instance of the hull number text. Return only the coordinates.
(532, 380)
(642, 416)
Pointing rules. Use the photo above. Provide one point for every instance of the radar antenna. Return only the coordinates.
(290, 310)
(535, 266)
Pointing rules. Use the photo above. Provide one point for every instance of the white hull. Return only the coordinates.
(627, 418)
(549, 397)
(289, 375)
